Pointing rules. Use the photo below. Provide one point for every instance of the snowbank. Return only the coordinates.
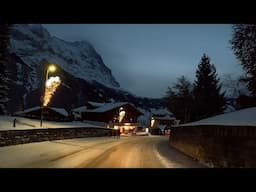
(6, 123)
(244, 117)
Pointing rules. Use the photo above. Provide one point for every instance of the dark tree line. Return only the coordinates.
(206, 97)
(244, 46)
(4, 41)
(179, 99)
(203, 98)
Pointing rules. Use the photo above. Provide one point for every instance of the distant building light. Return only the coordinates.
(152, 122)
(116, 127)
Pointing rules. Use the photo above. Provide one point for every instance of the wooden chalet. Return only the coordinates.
(49, 113)
(120, 115)
(161, 121)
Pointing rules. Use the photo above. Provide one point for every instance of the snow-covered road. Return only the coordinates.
(127, 152)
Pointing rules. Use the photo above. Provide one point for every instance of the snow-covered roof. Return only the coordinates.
(96, 104)
(108, 107)
(58, 110)
(167, 117)
(103, 107)
(27, 110)
(161, 111)
(244, 117)
(80, 109)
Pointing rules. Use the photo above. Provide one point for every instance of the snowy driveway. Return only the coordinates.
(127, 152)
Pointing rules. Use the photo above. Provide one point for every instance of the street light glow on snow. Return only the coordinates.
(50, 87)
(121, 116)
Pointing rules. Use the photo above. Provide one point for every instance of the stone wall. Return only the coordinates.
(13, 137)
(217, 146)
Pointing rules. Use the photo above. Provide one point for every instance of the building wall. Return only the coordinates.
(168, 123)
(155, 129)
(218, 146)
(14, 137)
(109, 115)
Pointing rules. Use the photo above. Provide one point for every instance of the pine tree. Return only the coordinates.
(244, 46)
(4, 40)
(208, 99)
(179, 99)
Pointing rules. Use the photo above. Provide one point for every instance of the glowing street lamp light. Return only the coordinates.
(50, 87)
(50, 68)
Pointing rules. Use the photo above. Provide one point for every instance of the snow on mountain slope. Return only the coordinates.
(33, 44)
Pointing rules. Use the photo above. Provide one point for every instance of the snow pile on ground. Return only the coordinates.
(6, 123)
(142, 134)
(246, 117)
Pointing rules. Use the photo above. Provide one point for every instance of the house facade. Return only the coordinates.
(161, 121)
(119, 115)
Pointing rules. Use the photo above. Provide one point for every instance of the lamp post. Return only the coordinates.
(50, 68)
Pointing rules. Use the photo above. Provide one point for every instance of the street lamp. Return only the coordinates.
(50, 68)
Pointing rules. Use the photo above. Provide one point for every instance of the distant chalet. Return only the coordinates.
(161, 121)
(108, 112)
(49, 113)
(119, 115)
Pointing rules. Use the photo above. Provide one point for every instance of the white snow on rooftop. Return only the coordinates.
(27, 110)
(80, 109)
(58, 110)
(167, 117)
(101, 107)
(107, 107)
(244, 117)
(161, 111)
(96, 104)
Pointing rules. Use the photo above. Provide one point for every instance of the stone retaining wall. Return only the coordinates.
(13, 137)
(218, 146)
